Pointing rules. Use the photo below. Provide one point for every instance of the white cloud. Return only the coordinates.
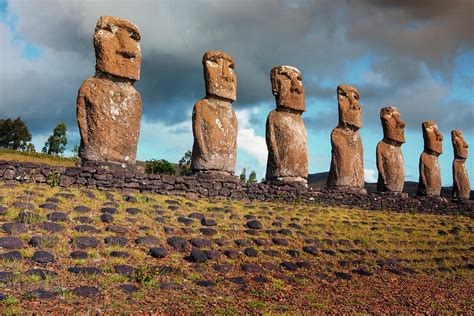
(248, 140)
(369, 176)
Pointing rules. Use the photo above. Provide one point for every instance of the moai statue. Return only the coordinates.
(347, 163)
(109, 108)
(214, 121)
(461, 186)
(430, 175)
(285, 131)
(389, 153)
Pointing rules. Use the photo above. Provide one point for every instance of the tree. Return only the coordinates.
(56, 143)
(14, 134)
(75, 150)
(161, 166)
(243, 176)
(185, 163)
(252, 177)
(30, 148)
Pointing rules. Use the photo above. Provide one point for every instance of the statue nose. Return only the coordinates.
(401, 124)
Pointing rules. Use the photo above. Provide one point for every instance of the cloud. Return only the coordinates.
(369, 176)
(247, 139)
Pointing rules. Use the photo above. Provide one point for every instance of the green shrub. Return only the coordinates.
(53, 178)
(161, 166)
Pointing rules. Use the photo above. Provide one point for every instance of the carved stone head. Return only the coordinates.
(117, 47)
(432, 137)
(350, 111)
(219, 75)
(459, 144)
(287, 87)
(393, 126)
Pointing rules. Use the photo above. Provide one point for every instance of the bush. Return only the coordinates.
(14, 134)
(53, 178)
(161, 166)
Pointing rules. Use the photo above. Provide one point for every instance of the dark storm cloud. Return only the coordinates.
(321, 38)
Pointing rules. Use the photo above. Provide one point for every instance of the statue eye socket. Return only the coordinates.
(213, 60)
(134, 35)
(232, 66)
(356, 96)
(299, 78)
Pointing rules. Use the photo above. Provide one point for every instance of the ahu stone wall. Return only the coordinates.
(214, 186)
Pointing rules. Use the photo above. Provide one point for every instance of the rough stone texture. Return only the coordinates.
(389, 153)
(430, 174)
(214, 120)
(285, 131)
(211, 186)
(461, 185)
(109, 108)
(347, 162)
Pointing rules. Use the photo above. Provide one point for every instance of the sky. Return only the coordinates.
(415, 55)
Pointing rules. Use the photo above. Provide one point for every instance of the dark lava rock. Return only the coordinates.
(158, 252)
(108, 210)
(82, 209)
(106, 218)
(117, 229)
(168, 229)
(133, 210)
(212, 254)
(185, 221)
(28, 217)
(124, 270)
(271, 252)
(177, 243)
(58, 217)
(250, 268)
(329, 252)
(85, 242)
(7, 276)
(85, 291)
(286, 232)
(52, 227)
(260, 279)
(173, 207)
(208, 222)
(14, 228)
(303, 265)
(208, 231)
(86, 228)
(23, 205)
(42, 257)
(205, 283)
(280, 241)
(11, 256)
(289, 266)
(255, 224)
(277, 224)
(343, 275)
(85, 270)
(84, 219)
(129, 288)
(222, 268)
(293, 253)
(242, 242)
(198, 255)
(172, 202)
(159, 219)
(311, 250)
(170, 286)
(237, 280)
(250, 252)
(120, 254)
(196, 216)
(3, 210)
(42, 273)
(11, 242)
(53, 200)
(49, 206)
(116, 240)
(147, 241)
(200, 242)
(261, 242)
(362, 272)
(41, 294)
(78, 255)
(130, 199)
(232, 254)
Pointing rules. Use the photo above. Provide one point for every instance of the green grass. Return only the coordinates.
(21, 156)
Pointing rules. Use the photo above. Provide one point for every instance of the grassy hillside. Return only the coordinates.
(296, 259)
(7, 154)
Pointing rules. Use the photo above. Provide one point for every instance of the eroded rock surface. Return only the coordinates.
(389, 153)
(109, 108)
(214, 120)
(347, 163)
(285, 130)
(461, 185)
(430, 174)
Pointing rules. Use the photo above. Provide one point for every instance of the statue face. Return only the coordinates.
(459, 144)
(393, 126)
(432, 137)
(350, 111)
(117, 47)
(219, 75)
(287, 87)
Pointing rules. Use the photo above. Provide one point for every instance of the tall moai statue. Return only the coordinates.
(389, 153)
(285, 130)
(347, 162)
(214, 120)
(430, 174)
(461, 186)
(109, 108)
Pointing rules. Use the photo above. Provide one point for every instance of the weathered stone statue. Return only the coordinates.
(109, 108)
(461, 186)
(430, 175)
(389, 153)
(214, 121)
(285, 130)
(347, 164)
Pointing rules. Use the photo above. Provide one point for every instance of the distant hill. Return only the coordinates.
(318, 181)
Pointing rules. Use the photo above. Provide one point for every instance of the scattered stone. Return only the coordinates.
(255, 224)
(205, 283)
(82, 209)
(85, 242)
(250, 252)
(108, 210)
(11, 242)
(86, 228)
(124, 270)
(177, 243)
(362, 272)
(52, 227)
(11, 256)
(250, 268)
(117, 229)
(208, 222)
(58, 217)
(85, 270)
(200, 242)
(133, 211)
(208, 231)
(84, 220)
(116, 241)
(85, 291)
(280, 241)
(198, 255)
(237, 280)
(78, 255)
(7, 276)
(43, 257)
(232, 254)
(147, 241)
(41, 294)
(14, 228)
(42, 273)
(185, 221)
(311, 250)
(129, 288)
(343, 275)
(198, 216)
(289, 266)
(107, 218)
(222, 268)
